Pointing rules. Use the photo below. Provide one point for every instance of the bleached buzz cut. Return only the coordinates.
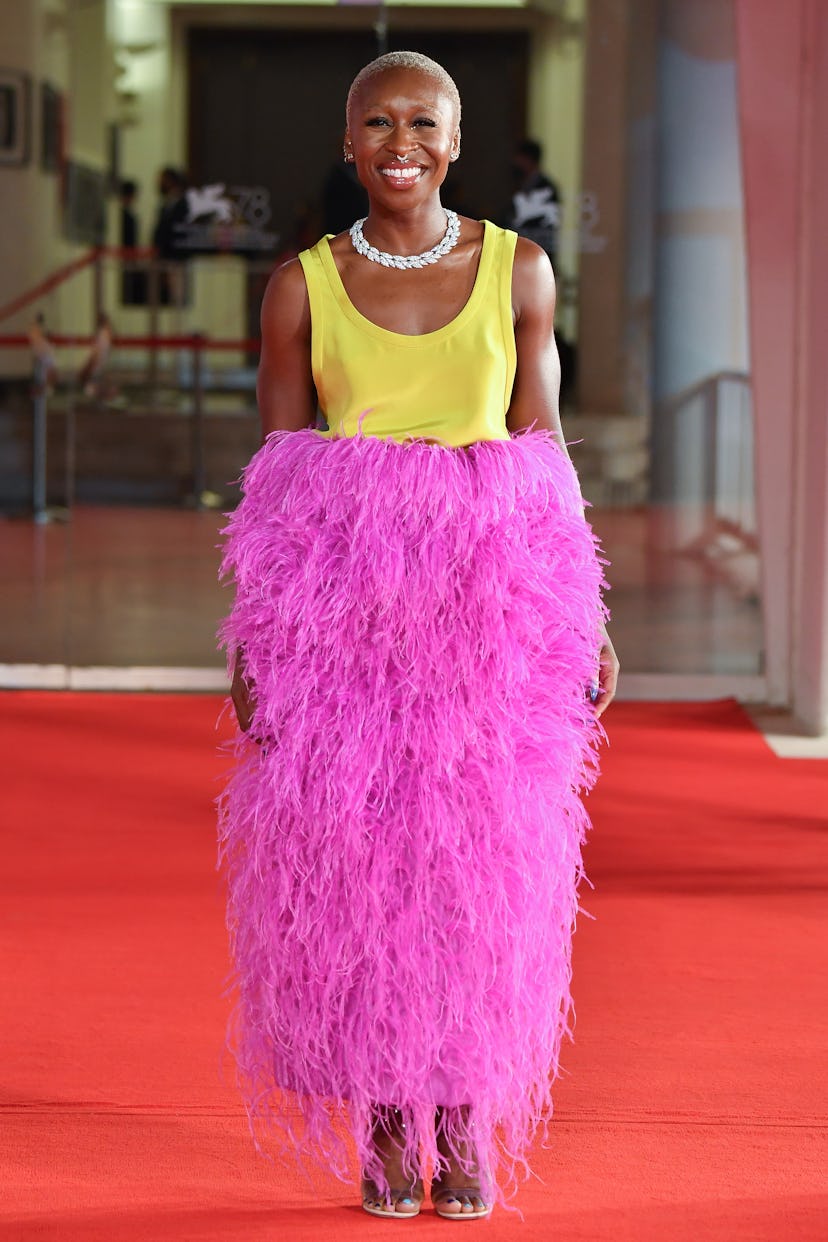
(405, 60)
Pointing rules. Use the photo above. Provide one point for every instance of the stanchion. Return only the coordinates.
(202, 497)
(97, 288)
(39, 507)
(69, 451)
(154, 292)
(42, 512)
(197, 423)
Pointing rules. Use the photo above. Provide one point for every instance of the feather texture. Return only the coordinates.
(403, 848)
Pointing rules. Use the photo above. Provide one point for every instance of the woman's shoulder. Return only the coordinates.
(532, 267)
(533, 281)
(474, 229)
(338, 243)
(286, 295)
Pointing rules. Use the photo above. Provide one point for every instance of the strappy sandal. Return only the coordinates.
(444, 1193)
(373, 1205)
(441, 1194)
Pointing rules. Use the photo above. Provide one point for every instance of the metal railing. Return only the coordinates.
(44, 390)
(706, 439)
(152, 372)
(148, 301)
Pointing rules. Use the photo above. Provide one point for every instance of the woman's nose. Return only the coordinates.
(401, 143)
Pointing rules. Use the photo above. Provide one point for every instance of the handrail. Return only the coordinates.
(720, 466)
(51, 282)
(61, 274)
(678, 399)
(195, 340)
(44, 375)
(129, 254)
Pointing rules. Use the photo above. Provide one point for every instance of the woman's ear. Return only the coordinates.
(347, 148)
(455, 145)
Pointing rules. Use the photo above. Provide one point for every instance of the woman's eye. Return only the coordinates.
(381, 121)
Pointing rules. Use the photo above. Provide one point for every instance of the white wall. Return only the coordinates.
(44, 38)
(556, 75)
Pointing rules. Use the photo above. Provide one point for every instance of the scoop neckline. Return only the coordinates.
(428, 338)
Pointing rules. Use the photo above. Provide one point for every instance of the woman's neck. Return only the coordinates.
(405, 232)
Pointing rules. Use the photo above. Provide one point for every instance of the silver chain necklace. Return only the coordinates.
(405, 261)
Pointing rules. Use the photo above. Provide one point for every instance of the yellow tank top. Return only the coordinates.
(453, 385)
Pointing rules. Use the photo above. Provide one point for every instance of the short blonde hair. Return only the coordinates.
(405, 60)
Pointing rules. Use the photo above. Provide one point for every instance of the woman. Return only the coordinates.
(417, 626)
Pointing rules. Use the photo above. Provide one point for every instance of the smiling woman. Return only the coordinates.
(419, 664)
(401, 137)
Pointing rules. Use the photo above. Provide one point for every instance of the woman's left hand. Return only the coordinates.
(608, 668)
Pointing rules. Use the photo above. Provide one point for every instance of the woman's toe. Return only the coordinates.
(452, 1204)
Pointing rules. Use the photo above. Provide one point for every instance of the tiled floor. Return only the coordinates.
(127, 586)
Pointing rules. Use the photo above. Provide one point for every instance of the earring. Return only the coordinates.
(348, 156)
(454, 156)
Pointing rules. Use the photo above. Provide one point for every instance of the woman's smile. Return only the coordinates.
(402, 177)
(403, 129)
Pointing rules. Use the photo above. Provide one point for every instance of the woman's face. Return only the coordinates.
(403, 131)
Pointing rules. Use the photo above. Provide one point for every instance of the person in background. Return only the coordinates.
(536, 214)
(127, 195)
(343, 199)
(133, 281)
(43, 356)
(172, 213)
(536, 201)
(92, 381)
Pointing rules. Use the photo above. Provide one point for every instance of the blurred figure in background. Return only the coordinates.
(536, 202)
(43, 356)
(343, 199)
(133, 281)
(536, 214)
(172, 213)
(128, 235)
(92, 380)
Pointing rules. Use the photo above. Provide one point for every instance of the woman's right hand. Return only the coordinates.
(241, 692)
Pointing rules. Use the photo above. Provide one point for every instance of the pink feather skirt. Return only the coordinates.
(402, 845)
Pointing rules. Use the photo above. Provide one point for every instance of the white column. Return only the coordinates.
(783, 73)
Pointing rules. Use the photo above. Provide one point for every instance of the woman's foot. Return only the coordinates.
(405, 1196)
(455, 1194)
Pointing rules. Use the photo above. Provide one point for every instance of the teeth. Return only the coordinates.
(401, 174)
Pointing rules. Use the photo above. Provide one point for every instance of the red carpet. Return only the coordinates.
(694, 1106)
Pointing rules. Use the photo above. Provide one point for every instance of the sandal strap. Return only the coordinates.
(394, 1191)
(456, 1192)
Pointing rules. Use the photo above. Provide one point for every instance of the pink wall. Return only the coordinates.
(783, 98)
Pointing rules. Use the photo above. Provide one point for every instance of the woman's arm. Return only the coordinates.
(286, 397)
(538, 378)
(284, 385)
(537, 387)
